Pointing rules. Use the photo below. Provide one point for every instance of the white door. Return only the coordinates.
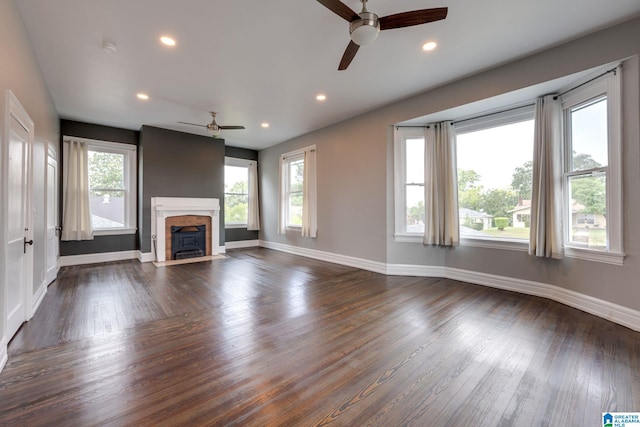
(19, 252)
(53, 248)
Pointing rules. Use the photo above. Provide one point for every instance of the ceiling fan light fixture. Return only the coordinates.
(213, 130)
(365, 30)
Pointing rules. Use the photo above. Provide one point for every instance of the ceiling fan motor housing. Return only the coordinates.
(364, 30)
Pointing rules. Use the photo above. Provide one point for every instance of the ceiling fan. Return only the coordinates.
(214, 128)
(365, 26)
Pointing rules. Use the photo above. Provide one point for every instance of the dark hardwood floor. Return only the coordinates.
(264, 338)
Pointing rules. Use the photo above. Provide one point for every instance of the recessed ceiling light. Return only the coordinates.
(321, 97)
(264, 125)
(429, 46)
(143, 96)
(168, 41)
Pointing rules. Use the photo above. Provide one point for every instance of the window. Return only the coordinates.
(236, 192)
(298, 192)
(409, 182)
(592, 167)
(112, 187)
(495, 169)
(294, 176)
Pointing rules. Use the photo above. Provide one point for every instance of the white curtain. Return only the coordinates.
(309, 217)
(76, 210)
(546, 202)
(441, 186)
(253, 220)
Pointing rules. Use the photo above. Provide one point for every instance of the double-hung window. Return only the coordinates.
(298, 209)
(294, 178)
(592, 169)
(409, 183)
(236, 192)
(112, 187)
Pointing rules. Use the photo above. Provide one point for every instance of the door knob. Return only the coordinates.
(27, 242)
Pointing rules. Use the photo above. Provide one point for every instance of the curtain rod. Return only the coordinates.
(412, 126)
(494, 113)
(613, 70)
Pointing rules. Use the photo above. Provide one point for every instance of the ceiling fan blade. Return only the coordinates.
(193, 124)
(340, 9)
(348, 55)
(231, 127)
(416, 17)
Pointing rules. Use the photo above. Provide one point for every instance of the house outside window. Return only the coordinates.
(236, 192)
(592, 167)
(112, 187)
(495, 169)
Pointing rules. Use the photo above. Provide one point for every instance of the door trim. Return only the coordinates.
(13, 109)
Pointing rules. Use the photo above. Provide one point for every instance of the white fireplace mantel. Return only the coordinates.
(164, 207)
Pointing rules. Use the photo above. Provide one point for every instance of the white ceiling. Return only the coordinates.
(257, 61)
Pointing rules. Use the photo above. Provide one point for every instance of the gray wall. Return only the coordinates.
(99, 244)
(355, 175)
(177, 164)
(240, 234)
(351, 190)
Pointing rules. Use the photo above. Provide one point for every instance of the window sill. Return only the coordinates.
(512, 245)
(114, 231)
(408, 238)
(613, 258)
(228, 226)
(503, 244)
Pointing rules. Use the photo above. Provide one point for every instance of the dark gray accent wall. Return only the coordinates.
(177, 164)
(240, 153)
(99, 244)
(240, 234)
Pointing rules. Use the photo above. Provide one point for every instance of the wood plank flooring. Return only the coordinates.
(263, 338)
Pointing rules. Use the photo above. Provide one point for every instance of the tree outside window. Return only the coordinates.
(236, 195)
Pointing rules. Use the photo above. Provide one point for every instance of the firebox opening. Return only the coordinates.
(188, 241)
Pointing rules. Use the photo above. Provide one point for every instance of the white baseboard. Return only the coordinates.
(4, 352)
(242, 244)
(145, 256)
(415, 270)
(601, 308)
(364, 264)
(99, 257)
(39, 296)
(607, 310)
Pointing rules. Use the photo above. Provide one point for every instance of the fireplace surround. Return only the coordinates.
(163, 208)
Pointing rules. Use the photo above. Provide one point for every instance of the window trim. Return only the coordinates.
(489, 121)
(608, 86)
(245, 163)
(401, 135)
(287, 188)
(283, 212)
(130, 163)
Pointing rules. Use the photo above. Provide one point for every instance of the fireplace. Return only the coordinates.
(167, 212)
